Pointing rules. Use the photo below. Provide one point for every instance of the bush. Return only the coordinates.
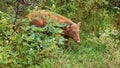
(23, 45)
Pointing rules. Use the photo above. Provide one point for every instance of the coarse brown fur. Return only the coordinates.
(38, 18)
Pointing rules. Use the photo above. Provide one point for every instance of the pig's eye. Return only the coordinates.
(73, 31)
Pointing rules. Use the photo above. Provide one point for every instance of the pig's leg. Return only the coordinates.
(67, 42)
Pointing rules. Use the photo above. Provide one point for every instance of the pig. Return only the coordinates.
(38, 18)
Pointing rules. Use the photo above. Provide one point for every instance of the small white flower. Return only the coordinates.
(36, 7)
(53, 39)
(31, 49)
(53, 5)
(7, 41)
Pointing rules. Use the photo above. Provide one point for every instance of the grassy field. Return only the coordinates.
(26, 46)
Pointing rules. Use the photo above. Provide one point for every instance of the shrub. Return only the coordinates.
(20, 47)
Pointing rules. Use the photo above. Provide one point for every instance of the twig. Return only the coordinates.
(16, 15)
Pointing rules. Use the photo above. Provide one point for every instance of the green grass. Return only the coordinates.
(90, 53)
(100, 39)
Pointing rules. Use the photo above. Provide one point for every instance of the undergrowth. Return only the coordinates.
(25, 46)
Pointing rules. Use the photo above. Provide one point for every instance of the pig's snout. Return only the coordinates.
(78, 41)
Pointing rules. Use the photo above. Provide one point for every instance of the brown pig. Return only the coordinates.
(38, 18)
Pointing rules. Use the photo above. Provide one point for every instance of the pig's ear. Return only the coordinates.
(68, 27)
(79, 23)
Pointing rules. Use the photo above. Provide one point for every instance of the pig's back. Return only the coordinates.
(53, 16)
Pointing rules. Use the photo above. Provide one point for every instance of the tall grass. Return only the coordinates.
(33, 47)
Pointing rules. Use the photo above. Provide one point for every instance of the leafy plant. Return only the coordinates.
(25, 46)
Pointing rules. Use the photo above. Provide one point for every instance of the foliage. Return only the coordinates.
(27, 42)
(23, 45)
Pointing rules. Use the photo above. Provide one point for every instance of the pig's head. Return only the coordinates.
(73, 31)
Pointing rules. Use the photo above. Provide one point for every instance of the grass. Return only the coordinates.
(99, 47)
(85, 55)
(90, 53)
